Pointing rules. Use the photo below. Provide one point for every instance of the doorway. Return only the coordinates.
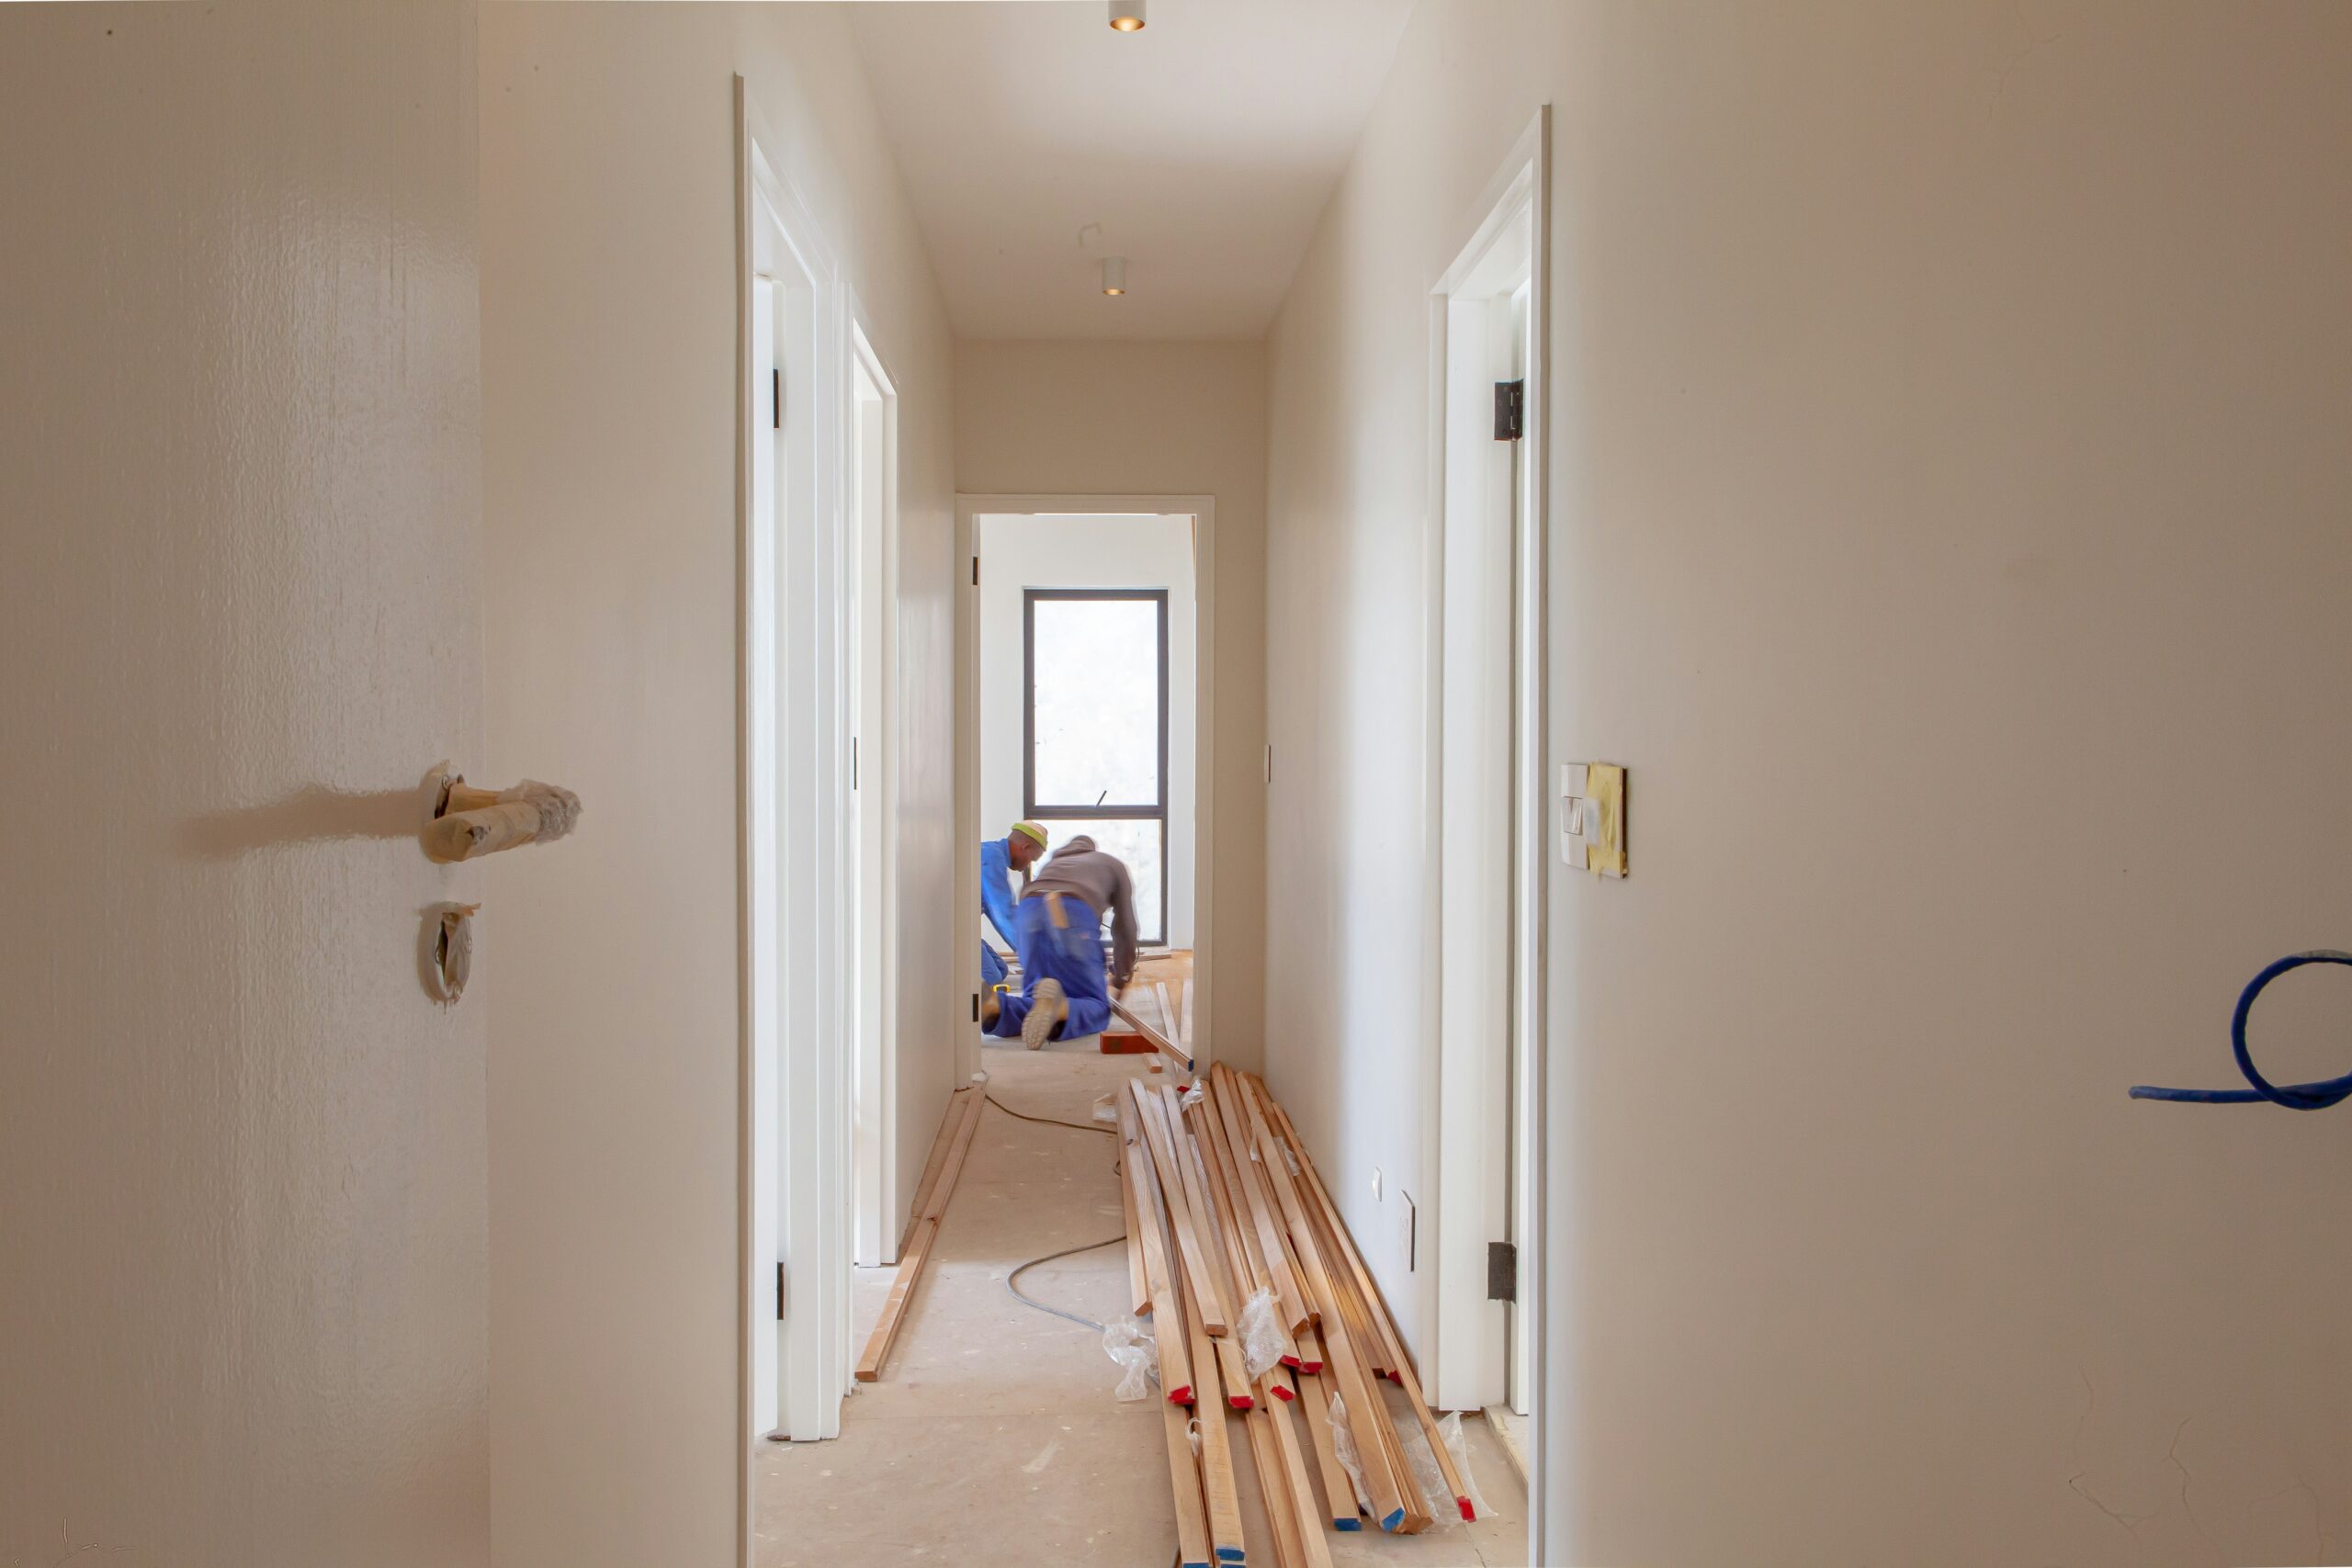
(1087, 709)
(817, 713)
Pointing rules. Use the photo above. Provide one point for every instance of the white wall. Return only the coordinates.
(1948, 491)
(242, 1282)
(1020, 553)
(609, 376)
(1056, 418)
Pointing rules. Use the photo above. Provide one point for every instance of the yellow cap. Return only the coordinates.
(1032, 831)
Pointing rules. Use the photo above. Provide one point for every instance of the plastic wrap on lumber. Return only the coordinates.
(1314, 1402)
(1184, 1481)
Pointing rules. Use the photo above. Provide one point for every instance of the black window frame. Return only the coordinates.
(1109, 810)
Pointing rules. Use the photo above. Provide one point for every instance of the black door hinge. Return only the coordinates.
(975, 1007)
(1511, 409)
(975, 571)
(1503, 1271)
(779, 1292)
(775, 391)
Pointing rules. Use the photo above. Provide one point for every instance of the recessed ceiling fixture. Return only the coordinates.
(1127, 15)
(1114, 275)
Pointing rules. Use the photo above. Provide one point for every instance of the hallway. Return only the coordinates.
(992, 1439)
(1640, 580)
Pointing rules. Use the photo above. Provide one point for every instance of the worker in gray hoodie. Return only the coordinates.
(1058, 929)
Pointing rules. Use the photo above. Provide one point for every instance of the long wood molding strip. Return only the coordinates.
(930, 1204)
(1165, 1046)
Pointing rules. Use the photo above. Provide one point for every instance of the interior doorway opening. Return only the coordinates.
(817, 502)
(1087, 710)
(1089, 714)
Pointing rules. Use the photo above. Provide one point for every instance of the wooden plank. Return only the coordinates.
(1237, 1267)
(1292, 1480)
(1393, 1343)
(1386, 1486)
(1167, 1310)
(1281, 1511)
(1226, 1099)
(1247, 1264)
(1352, 1313)
(893, 1308)
(1217, 1454)
(1401, 1366)
(913, 1256)
(1184, 1478)
(949, 1125)
(1196, 1199)
(1230, 1364)
(1314, 1399)
(1181, 1057)
(1168, 1023)
(1184, 1013)
(1170, 1188)
(1225, 1185)
(944, 1188)
(1138, 1284)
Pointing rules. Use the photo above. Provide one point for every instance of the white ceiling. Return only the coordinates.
(1206, 146)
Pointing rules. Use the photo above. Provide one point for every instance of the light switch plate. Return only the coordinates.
(1592, 818)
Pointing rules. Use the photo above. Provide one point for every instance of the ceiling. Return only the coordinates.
(1205, 147)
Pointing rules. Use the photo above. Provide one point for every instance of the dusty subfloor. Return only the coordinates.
(992, 1438)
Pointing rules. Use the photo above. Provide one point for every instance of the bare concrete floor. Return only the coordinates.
(992, 1439)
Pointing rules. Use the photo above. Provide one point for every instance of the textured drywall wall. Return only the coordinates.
(1020, 553)
(609, 375)
(1068, 418)
(242, 1282)
(1947, 524)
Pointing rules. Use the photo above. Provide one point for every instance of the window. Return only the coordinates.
(1094, 728)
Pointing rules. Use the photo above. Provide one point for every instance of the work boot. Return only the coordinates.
(1048, 1008)
(991, 1007)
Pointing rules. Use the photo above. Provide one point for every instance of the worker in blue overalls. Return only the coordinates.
(1000, 858)
(1060, 917)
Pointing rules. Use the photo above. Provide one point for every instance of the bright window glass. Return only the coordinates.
(1095, 692)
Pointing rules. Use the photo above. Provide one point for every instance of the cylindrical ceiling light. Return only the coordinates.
(1127, 15)
(1114, 275)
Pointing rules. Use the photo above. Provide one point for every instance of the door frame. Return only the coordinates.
(874, 786)
(796, 712)
(1477, 1356)
(965, 994)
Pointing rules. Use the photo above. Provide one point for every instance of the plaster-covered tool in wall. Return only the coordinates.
(468, 823)
(2315, 1096)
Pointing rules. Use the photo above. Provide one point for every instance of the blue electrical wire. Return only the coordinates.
(2316, 1096)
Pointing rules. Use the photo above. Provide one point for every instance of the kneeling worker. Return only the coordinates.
(1059, 926)
(1000, 858)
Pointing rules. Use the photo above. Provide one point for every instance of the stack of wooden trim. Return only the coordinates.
(1222, 1203)
(939, 1173)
